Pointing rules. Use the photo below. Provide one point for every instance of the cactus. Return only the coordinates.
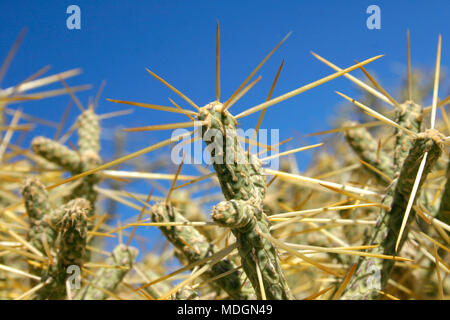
(372, 274)
(194, 247)
(41, 215)
(392, 208)
(72, 245)
(121, 261)
(85, 159)
(57, 153)
(240, 174)
(89, 147)
(409, 117)
(256, 252)
(185, 293)
(241, 178)
(365, 146)
(443, 213)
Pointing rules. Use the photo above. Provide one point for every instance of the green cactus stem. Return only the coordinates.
(185, 293)
(89, 147)
(122, 258)
(240, 174)
(255, 250)
(443, 213)
(57, 153)
(40, 214)
(365, 146)
(88, 132)
(85, 159)
(192, 212)
(86, 189)
(72, 246)
(410, 117)
(241, 178)
(193, 247)
(372, 274)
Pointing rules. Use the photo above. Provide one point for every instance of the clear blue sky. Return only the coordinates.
(176, 39)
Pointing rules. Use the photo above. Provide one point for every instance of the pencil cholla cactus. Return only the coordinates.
(41, 215)
(372, 274)
(85, 159)
(194, 247)
(258, 255)
(72, 227)
(242, 181)
(107, 279)
(384, 206)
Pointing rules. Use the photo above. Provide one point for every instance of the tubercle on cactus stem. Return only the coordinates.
(193, 247)
(122, 258)
(372, 274)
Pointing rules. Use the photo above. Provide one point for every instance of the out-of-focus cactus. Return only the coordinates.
(89, 147)
(57, 153)
(193, 247)
(256, 252)
(46, 248)
(443, 213)
(372, 274)
(185, 293)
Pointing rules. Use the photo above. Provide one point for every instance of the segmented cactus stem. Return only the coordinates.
(366, 147)
(255, 250)
(85, 159)
(72, 246)
(57, 153)
(121, 261)
(185, 293)
(410, 117)
(240, 174)
(372, 274)
(88, 132)
(193, 247)
(40, 214)
(243, 184)
(443, 213)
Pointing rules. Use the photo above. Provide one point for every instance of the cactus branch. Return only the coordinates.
(372, 274)
(193, 246)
